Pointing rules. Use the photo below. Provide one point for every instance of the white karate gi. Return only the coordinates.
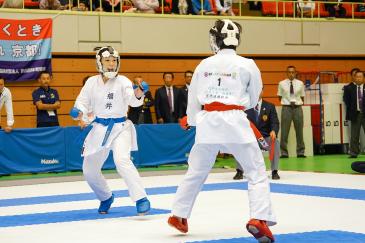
(5, 99)
(229, 79)
(110, 100)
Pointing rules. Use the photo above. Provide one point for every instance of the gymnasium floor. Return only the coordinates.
(310, 207)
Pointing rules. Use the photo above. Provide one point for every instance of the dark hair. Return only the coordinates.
(291, 66)
(186, 72)
(44, 72)
(1, 77)
(164, 74)
(354, 70)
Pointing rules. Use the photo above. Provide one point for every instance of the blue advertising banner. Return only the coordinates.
(72, 150)
(54, 148)
(163, 144)
(32, 150)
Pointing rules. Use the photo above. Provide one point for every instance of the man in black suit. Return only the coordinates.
(353, 96)
(266, 120)
(184, 93)
(141, 114)
(167, 101)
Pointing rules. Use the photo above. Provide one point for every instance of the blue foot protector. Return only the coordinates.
(143, 206)
(105, 205)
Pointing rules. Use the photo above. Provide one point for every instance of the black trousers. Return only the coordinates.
(358, 166)
(357, 121)
(48, 124)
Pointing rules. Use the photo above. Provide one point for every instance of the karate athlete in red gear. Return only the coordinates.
(108, 95)
(225, 85)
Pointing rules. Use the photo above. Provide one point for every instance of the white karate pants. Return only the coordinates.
(201, 161)
(121, 147)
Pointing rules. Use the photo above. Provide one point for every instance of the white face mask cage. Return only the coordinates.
(228, 35)
(231, 34)
(106, 52)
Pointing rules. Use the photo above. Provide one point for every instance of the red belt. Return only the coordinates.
(216, 106)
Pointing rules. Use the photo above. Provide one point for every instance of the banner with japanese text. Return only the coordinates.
(25, 48)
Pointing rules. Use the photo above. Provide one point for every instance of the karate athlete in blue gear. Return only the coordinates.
(108, 95)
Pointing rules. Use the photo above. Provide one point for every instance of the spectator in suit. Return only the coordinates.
(5, 99)
(353, 74)
(334, 9)
(266, 120)
(353, 96)
(291, 95)
(184, 93)
(141, 114)
(167, 101)
(46, 101)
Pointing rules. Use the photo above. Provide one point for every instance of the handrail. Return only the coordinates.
(280, 11)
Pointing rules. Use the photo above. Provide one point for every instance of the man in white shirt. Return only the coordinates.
(5, 99)
(225, 85)
(291, 94)
(108, 96)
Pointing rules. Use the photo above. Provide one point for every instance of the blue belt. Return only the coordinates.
(109, 122)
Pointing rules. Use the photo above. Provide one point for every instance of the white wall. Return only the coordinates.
(179, 35)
